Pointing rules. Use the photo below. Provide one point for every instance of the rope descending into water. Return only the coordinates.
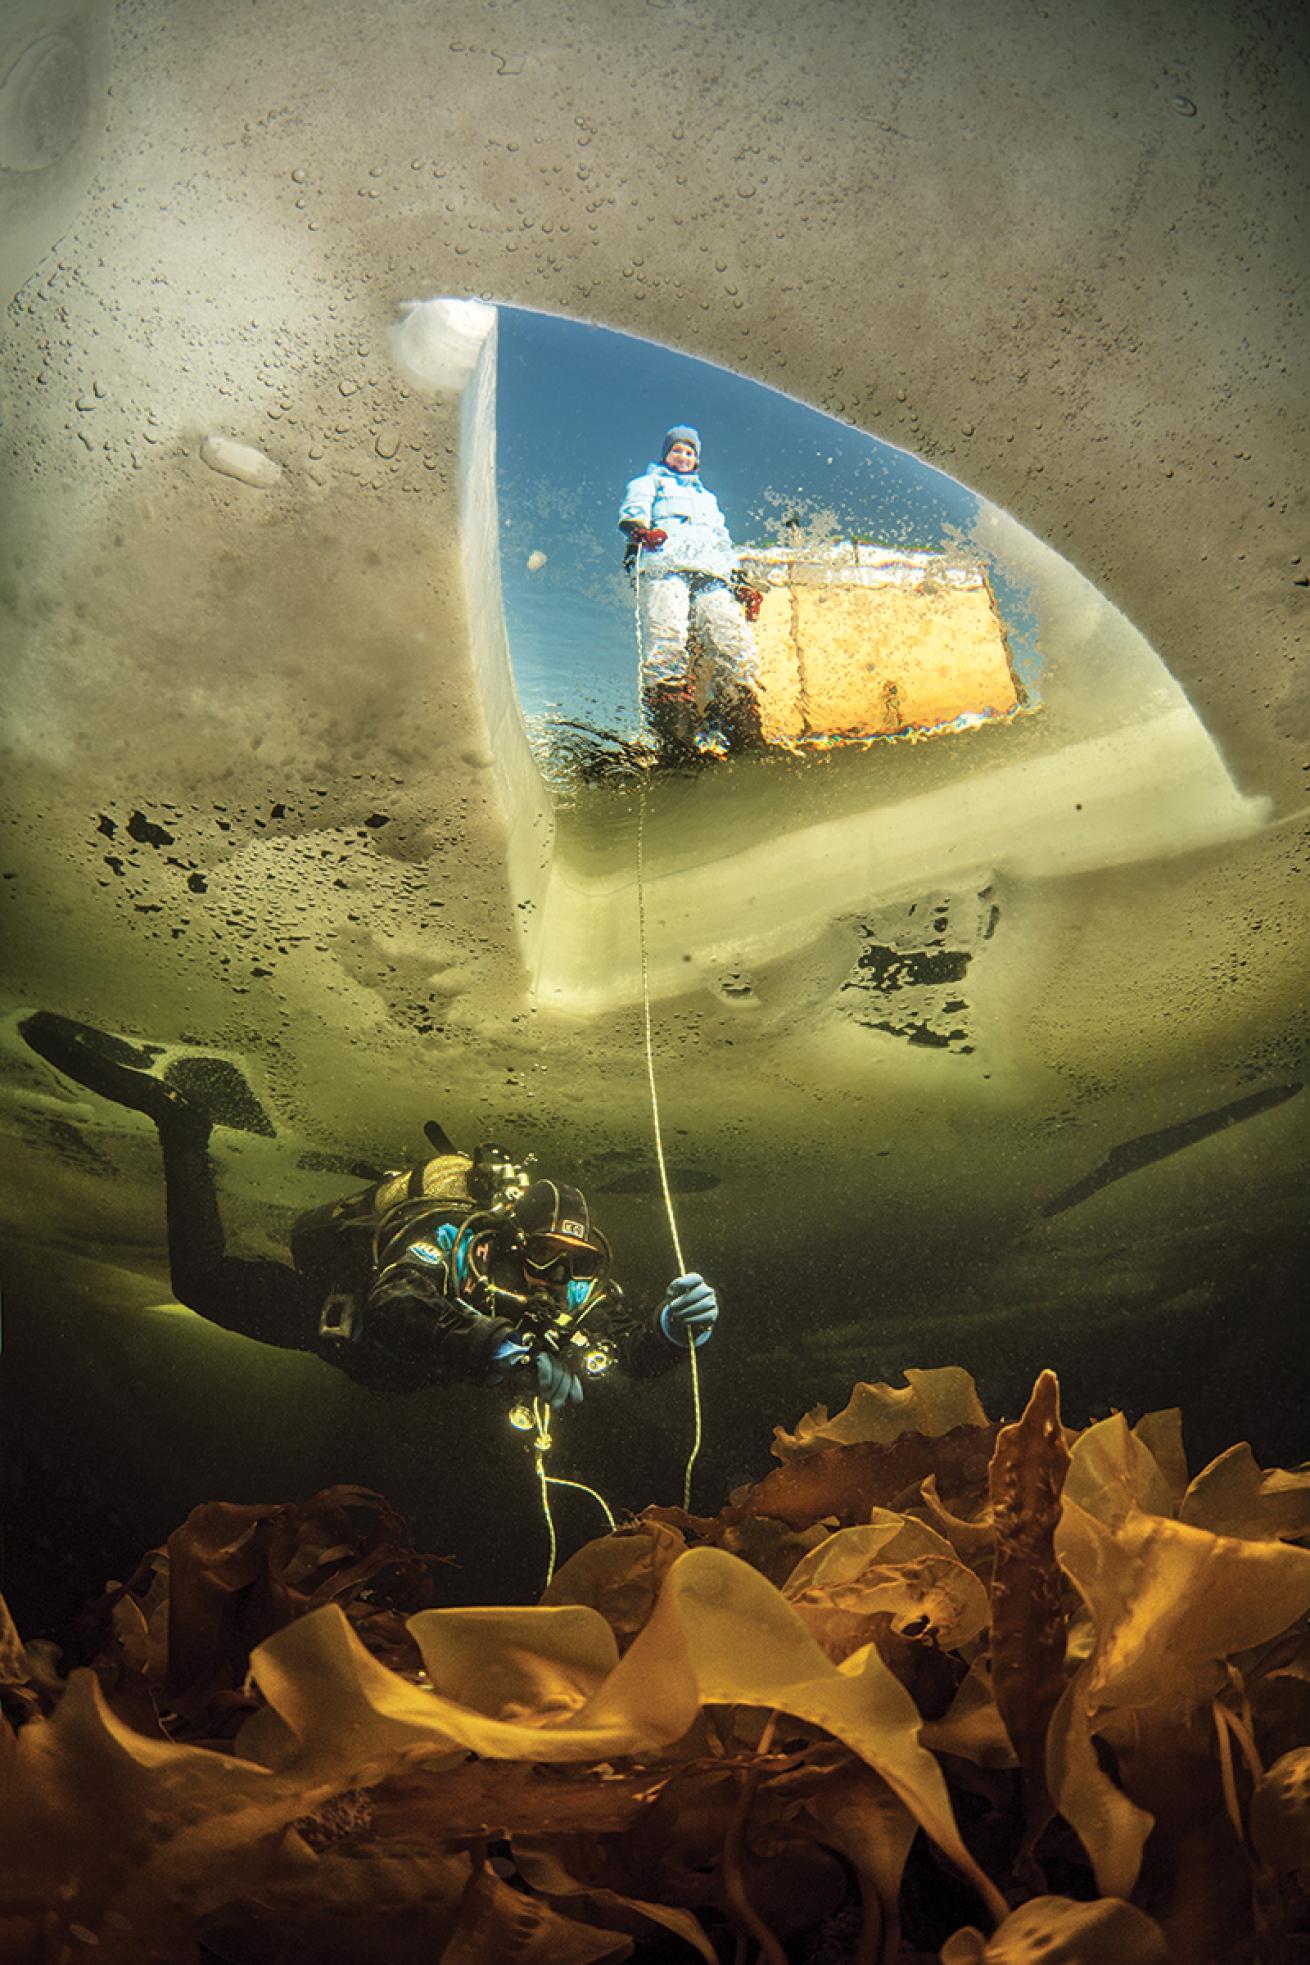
(541, 1446)
(555, 1480)
(650, 1060)
(540, 1409)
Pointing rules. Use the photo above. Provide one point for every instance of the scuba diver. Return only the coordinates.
(462, 1267)
(694, 606)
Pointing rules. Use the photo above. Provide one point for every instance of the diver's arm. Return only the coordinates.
(472, 1342)
(409, 1320)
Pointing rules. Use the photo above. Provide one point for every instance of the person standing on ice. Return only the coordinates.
(694, 608)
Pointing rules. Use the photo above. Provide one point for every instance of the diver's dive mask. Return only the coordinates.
(558, 1243)
(555, 1261)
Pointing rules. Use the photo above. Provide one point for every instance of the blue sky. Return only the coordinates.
(582, 409)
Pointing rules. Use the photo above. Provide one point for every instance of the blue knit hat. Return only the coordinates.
(680, 433)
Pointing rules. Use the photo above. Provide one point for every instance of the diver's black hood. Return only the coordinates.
(550, 1208)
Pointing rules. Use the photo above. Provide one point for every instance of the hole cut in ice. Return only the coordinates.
(819, 779)
(852, 590)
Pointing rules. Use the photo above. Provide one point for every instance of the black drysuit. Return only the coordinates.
(415, 1331)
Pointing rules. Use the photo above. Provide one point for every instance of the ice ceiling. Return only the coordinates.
(267, 793)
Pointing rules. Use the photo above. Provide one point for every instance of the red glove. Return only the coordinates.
(751, 599)
(649, 537)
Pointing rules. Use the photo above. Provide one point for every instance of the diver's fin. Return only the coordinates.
(219, 1087)
(114, 1068)
(438, 1138)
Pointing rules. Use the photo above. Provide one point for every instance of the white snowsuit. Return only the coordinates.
(683, 587)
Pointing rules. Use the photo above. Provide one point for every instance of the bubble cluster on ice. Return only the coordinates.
(436, 343)
(241, 461)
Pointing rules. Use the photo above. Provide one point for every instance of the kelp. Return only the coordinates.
(894, 1567)
(20, 1699)
(1028, 1621)
(829, 1722)
(178, 1634)
(620, 1575)
(844, 1482)
(1280, 1815)
(1174, 1610)
(1054, 1928)
(930, 1402)
(335, 1717)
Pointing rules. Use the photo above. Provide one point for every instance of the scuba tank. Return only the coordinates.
(345, 1245)
(343, 1238)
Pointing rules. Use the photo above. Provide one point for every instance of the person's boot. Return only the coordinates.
(738, 712)
(114, 1069)
(671, 713)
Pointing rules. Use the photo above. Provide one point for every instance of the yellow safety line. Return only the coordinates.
(650, 1065)
(540, 1447)
(554, 1480)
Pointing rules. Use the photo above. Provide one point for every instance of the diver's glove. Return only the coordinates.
(690, 1309)
(556, 1383)
(509, 1352)
(558, 1386)
(649, 536)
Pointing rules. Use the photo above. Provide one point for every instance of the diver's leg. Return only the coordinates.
(265, 1300)
(724, 633)
(268, 1301)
